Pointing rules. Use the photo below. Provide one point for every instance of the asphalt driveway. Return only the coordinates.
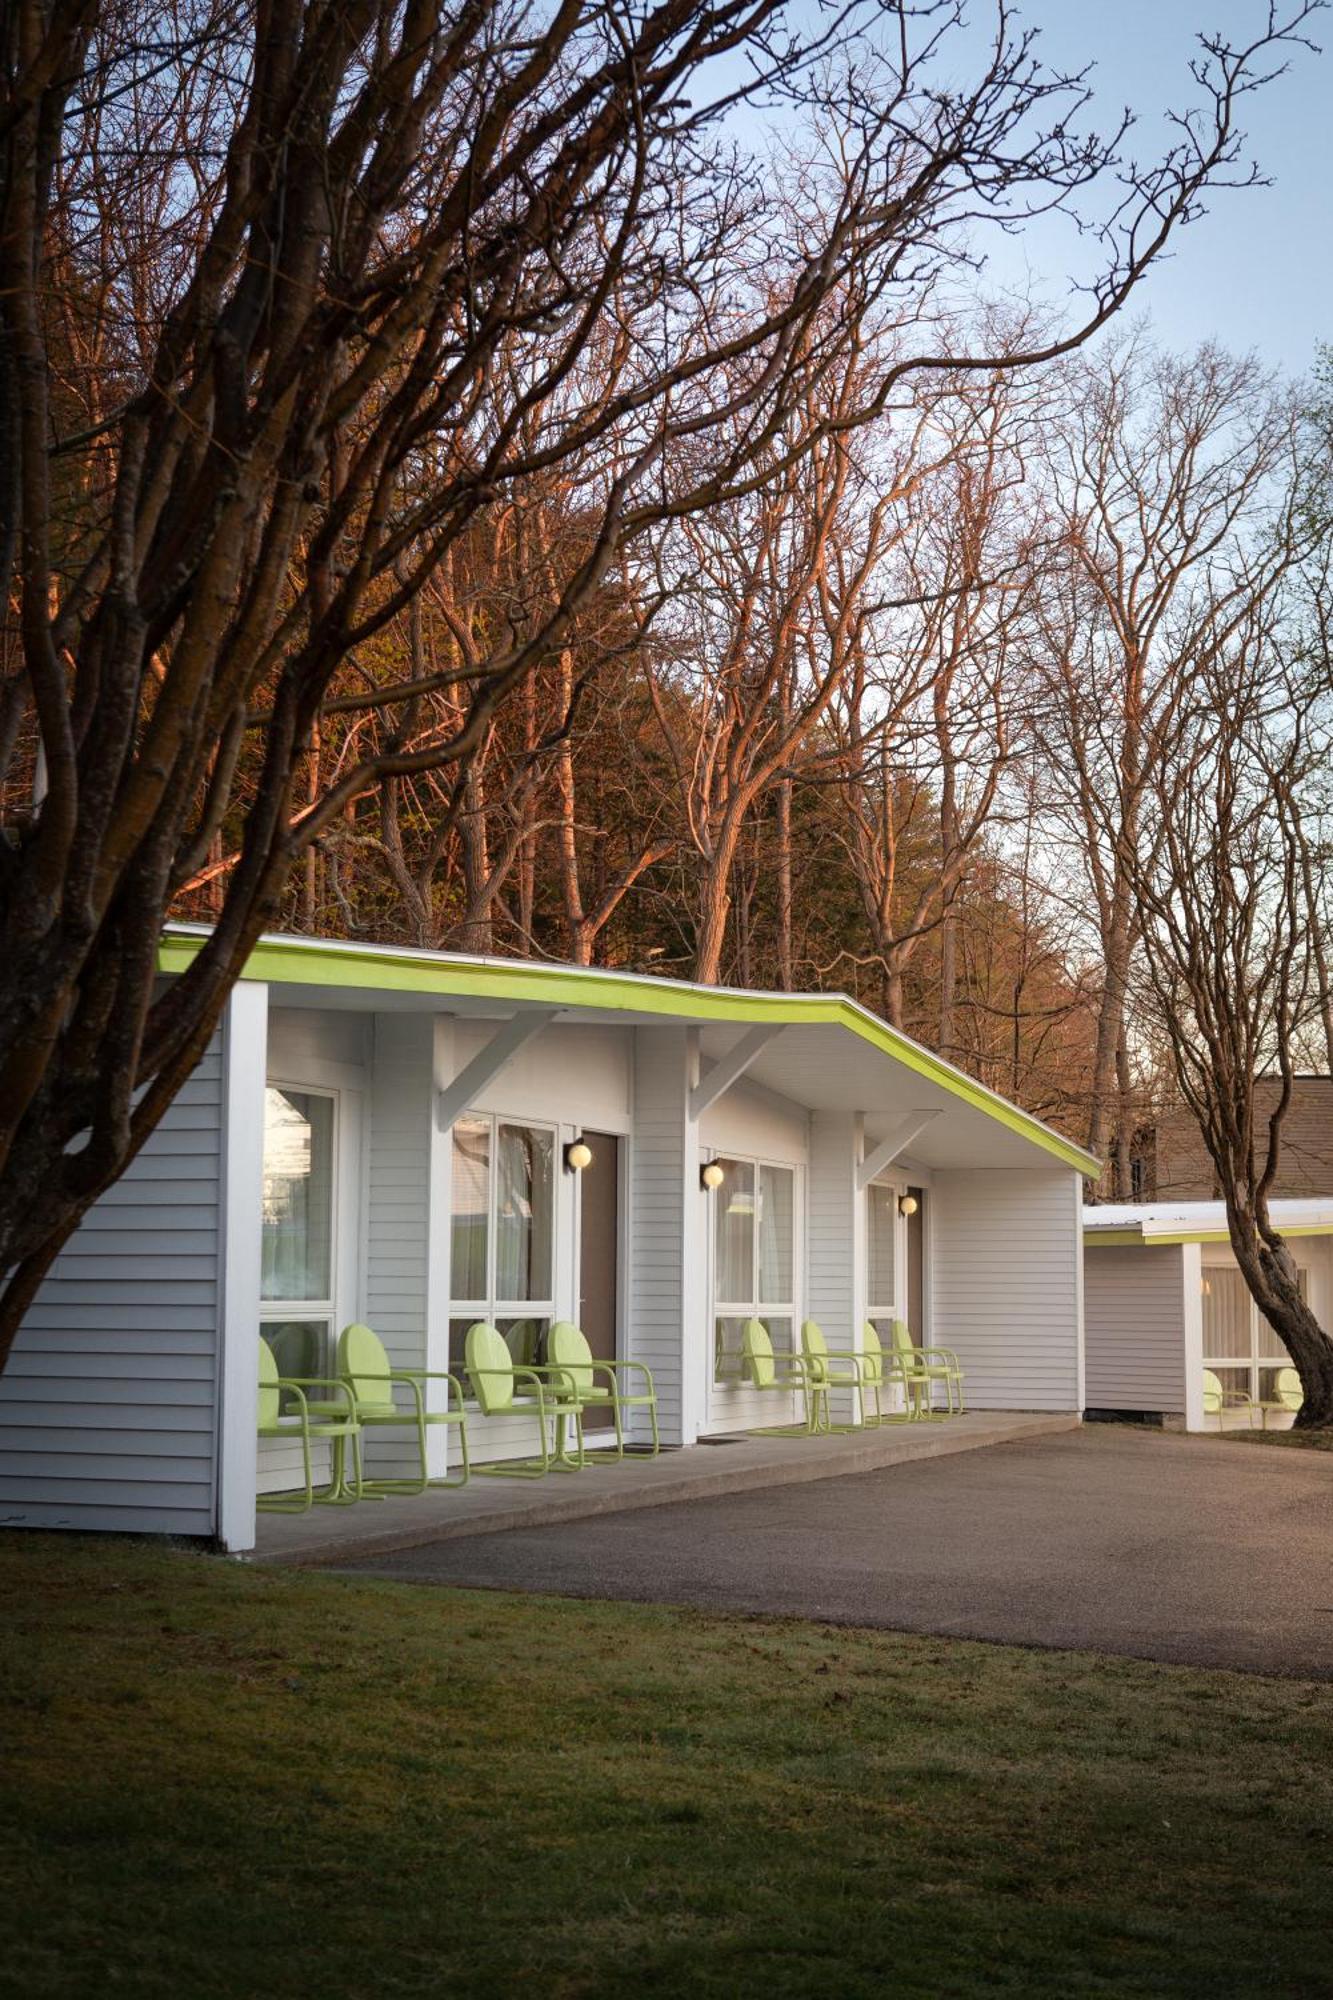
(1110, 1539)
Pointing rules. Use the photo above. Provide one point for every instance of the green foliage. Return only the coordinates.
(222, 1781)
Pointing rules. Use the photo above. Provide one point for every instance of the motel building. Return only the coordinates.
(419, 1141)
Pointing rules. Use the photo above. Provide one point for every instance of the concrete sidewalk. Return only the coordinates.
(1105, 1539)
(706, 1471)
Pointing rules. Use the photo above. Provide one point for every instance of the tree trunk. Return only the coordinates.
(1122, 1166)
(714, 908)
(948, 984)
(1110, 1020)
(892, 987)
(477, 932)
(786, 978)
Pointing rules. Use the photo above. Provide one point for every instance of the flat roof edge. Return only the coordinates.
(1153, 1239)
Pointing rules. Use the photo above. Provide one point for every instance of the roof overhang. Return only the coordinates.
(830, 1052)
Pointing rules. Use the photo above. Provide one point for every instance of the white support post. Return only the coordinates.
(1191, 1285)
(908, 1128)
(1079, 1257)
(729, 1070)
(240, 1221)
(696, 1288)
(439, 1437)
(456, 1097)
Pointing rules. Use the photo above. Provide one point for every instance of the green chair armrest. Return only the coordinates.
(640, 1367)
(514, 1375)
(798, 1365)
(559, 1378)
(855, 1362)
(300, 1383)
(412, 1378)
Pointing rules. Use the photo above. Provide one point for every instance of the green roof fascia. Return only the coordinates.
(326, 962)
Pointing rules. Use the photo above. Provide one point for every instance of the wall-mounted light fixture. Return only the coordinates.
(1208, 1288)
(578, 1155)
(908, 1204)
(711, 1176)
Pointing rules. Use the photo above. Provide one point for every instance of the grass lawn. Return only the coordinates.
(230, 1781)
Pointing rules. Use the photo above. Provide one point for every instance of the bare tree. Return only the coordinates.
(1160, 469)
(1219, 881)
(769, 598)
(932, 692)
(290, 294)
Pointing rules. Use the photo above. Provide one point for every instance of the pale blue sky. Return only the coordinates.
(1257, 271)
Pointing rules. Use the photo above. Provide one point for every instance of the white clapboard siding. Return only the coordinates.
(108, 1408)
(1134, 1312)
(1006, 1285)
(657, 1235)
(835, 1237)
(398, 1198)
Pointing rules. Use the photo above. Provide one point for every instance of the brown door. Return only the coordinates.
(916, 1254)
(599, 1248)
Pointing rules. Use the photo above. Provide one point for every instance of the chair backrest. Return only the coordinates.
(902, 1337)
(361, 1359)
(1289, 1388)
(270, 1396)
(1212, 1394)
(757, 1351)
(490, 1368)
(567, 1348)
(872, 1354)
(815, 1349)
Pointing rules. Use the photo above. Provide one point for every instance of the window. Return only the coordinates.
(297, 1254)
(882, 1252)
(754, 1258)
(502, 1233)
(1239, 1345)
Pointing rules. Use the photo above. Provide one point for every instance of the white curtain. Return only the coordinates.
(524, 1204)
(297, 1240)
(470, 1196)
(777, 1201)
(881, 1227)
(734, 1209)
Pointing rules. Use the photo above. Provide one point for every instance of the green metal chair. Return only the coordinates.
(596, 1384)
(777, 1373)
(922, 1368)
(364, 1371)
(1216, 1399)
(302, 1425)
(827, 1372)
(495, 1378)
(881, 1371)
(1289, 1397)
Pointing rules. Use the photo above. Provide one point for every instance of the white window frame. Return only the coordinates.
(875, 1310)
(492, 1309)
(274, 1311)
(756, 1308)
(1254, 1361)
